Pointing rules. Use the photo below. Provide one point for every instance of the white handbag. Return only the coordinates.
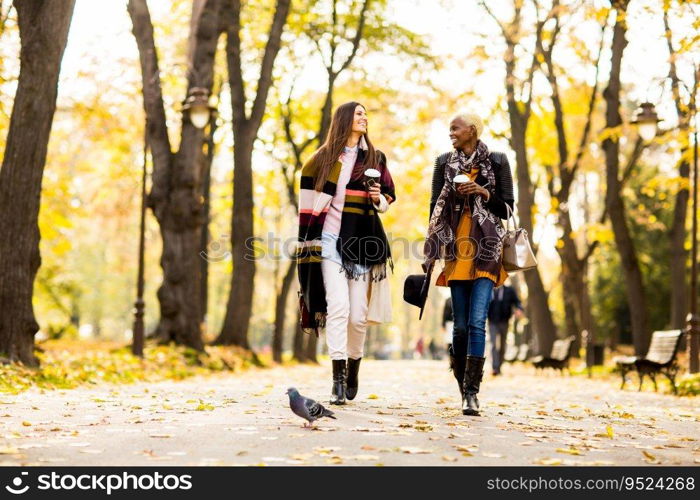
(517, 252)
(379, 307)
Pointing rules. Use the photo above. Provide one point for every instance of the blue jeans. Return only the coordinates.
(470, 306)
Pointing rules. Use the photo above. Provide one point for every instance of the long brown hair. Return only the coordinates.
(330, 151)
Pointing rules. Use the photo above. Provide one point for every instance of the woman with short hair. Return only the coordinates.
(472, 189)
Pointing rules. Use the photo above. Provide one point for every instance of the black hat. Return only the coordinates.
(415, 290)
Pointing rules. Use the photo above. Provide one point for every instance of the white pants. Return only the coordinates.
(346, 319)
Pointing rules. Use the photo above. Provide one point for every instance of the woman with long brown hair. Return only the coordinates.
(343, 250)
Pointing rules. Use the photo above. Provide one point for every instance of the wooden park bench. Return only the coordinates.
(523, 352)
(660, 358)
(511, 353)
(516, 353)
(559, 356)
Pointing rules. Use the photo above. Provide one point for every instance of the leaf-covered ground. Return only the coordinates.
(67, 364)
(406, 414)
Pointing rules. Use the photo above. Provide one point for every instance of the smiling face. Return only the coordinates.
(461, 134)
(359, 122)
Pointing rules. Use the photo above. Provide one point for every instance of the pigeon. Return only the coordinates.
(307, 408)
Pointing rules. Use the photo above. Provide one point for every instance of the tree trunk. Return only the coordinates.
(575, 283)
(311, 346)
(327, 109)
(240, 301)
(571, 313)
(204, 235)
(678, 253)
(615, 204)
(298, 352)
(677, 233)
(586, 309)
(280, 310)
(175, 197)
(43, 28)
(245, 130)
(539, 313)
(542, 323)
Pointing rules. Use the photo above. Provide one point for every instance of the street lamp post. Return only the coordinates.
(197, 108)
(201, 112)
(693, 321)
(646, 120)
(139, 305)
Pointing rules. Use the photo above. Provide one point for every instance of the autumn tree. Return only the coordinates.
(43, 28)
(175, 196)
(562, 174)
(247, 116)
(684, 103)
(519, 100)
(614, 200)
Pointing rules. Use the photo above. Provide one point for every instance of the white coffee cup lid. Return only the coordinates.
(372, 172)
(461, 178)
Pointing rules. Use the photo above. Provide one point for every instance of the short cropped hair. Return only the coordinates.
(473, 120)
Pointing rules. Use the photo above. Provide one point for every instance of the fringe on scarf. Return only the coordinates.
(376, 273)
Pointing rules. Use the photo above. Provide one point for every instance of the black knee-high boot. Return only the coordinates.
(352, 379)
(339, 374)
(458, 366)
(473, 374)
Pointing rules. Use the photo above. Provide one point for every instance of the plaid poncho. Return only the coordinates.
(361, 241)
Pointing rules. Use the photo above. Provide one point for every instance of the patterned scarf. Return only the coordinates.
(487, 233)
(362, 241)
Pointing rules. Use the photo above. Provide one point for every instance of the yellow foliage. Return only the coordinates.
(554, 205)
(601, 233)
(612, 133)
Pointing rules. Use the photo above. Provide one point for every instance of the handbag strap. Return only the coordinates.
(511, 216)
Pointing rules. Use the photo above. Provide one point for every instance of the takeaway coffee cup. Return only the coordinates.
(371, 177)
(461, 179)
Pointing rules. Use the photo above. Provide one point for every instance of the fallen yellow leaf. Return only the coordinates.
(570, 451)
(548, 461)
(413, 450)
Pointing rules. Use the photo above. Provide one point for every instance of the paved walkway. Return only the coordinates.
(406, 414)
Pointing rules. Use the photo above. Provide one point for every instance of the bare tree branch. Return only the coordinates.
(632, 160)
(4, 16)
(591, 106)
(501, 26)
(271, 49)
(157, 131)
(233, 49)
(358, 36)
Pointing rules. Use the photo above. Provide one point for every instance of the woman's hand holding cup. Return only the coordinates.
(465, 186)
(374, 192)
(372, 182)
